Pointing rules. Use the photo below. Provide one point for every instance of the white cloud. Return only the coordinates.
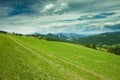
(112, 23)
(55, 8)
(60, 7)
(55, 23)
(48, 7)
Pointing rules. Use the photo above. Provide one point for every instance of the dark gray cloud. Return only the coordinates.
(50, 7)
(23, 6)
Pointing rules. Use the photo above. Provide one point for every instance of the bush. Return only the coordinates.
(93, 46)
(114, 49)
(4, 32)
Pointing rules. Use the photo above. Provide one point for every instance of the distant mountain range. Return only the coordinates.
(70, 34)
(101, 39)
(98, 39)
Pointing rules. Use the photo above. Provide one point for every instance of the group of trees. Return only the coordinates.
(91, 46)
(3, 32)
(112, 49)
(18, 34)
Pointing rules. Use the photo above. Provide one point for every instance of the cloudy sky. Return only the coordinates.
(55, 16)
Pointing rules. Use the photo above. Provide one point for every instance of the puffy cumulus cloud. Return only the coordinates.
(61, 6)
(56, 8)
(48, 8)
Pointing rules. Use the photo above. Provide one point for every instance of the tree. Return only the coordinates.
(114, 49)
(91, 46)
(94, 46)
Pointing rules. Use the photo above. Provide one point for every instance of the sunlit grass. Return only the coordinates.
(27, 58)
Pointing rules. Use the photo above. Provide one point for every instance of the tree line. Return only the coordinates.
(115, 49)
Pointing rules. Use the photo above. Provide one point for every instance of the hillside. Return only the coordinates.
(28, 58)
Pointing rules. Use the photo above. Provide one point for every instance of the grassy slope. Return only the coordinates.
(27, 58)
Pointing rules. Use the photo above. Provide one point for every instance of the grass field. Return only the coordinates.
(27, 58)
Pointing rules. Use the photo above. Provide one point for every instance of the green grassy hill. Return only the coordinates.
(27, 58)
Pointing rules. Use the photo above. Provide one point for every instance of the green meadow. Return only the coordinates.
(28, 58)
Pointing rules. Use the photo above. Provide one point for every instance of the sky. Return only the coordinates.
(60, 16)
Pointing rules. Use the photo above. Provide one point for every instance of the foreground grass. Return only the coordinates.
(27, 58)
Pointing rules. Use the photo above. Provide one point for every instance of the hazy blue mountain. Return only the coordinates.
(70, 34)
(105, 38)
(101, 39)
